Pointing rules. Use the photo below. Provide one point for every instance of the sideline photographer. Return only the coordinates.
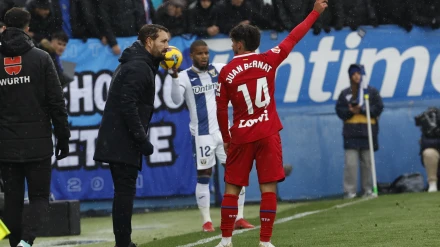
(428, 122)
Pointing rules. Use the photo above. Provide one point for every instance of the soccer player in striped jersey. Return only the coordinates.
(197, 86)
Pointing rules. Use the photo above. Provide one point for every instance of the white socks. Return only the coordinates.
(203, 201)
(241, 203)
(432, 186)
(226, 241)
(266, 244)
(23, 244)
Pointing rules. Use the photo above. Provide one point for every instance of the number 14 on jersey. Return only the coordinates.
(261, 89)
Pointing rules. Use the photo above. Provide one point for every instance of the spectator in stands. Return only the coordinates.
(350, 108)
(258, 5)
(425, 13)
(231, 13)
(172, 15)
(61, 9)
(359, 12)
(201, 19)
(121, 18)
(5, 5)
(394, 12)
(45, 21)
(263, 15)
(149, 11)
(55, 47)
(82, 16)
(290, 13)
(333, 16)
(2, 27)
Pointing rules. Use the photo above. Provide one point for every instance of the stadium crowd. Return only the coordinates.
(108, 19)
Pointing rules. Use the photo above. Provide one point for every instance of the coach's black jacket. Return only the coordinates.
(30, 98)
(129, 108)
(355, 129)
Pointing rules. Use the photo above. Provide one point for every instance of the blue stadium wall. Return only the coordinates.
(404, 67)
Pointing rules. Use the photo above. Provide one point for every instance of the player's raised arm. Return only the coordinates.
(222, 100)
(286, 46)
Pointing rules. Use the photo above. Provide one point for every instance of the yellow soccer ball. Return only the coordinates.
(173, 57)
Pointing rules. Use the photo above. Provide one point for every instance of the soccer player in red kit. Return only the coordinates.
(248, 81)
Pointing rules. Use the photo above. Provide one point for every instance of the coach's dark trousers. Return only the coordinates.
(124, 180)
(37, 175)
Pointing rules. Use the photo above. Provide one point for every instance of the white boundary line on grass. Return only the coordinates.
(282, 220)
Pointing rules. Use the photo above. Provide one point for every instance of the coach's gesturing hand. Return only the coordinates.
(62, 149)
(320, 6)
(146, 148)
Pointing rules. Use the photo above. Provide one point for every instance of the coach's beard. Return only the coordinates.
(160, 55)
(163, 53)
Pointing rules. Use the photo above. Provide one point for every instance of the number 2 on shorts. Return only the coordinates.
(205, 152)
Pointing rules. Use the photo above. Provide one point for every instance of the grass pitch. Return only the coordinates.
(392, 220)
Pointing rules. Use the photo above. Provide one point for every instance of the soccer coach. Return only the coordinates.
(31, 100)
(122, 136)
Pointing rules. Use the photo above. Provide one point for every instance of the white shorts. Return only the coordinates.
(207, 149)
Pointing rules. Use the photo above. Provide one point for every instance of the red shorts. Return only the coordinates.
(266, 152)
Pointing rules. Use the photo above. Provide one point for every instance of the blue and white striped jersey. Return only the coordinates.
(199, 93)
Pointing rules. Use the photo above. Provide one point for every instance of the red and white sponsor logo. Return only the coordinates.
(12, 65)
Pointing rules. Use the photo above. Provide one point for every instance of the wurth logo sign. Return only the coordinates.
(13, 65)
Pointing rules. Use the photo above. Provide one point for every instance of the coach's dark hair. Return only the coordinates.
(249, 35)
(18, 18)
(150, 31)
(61, 36)
(196, 44)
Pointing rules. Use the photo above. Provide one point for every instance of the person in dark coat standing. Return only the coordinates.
(350, 108)
(359, 12)
(230, 13)
(290, 13)
(56, 48)
(172, 14)
(120, 18)
(31, 100)
(45, 20)
(201, 19)
(122, 136)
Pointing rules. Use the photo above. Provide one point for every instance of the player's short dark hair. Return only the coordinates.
(150, 31)
(60, 36)
(196, 44)
(249, 35)
(2, 24)
(18, 18)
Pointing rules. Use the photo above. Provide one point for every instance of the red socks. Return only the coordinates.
(229, 214)
(268, 211)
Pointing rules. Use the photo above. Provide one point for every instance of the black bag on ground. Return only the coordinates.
(408, 183)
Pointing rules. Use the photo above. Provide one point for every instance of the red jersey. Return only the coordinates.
(248, 81)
